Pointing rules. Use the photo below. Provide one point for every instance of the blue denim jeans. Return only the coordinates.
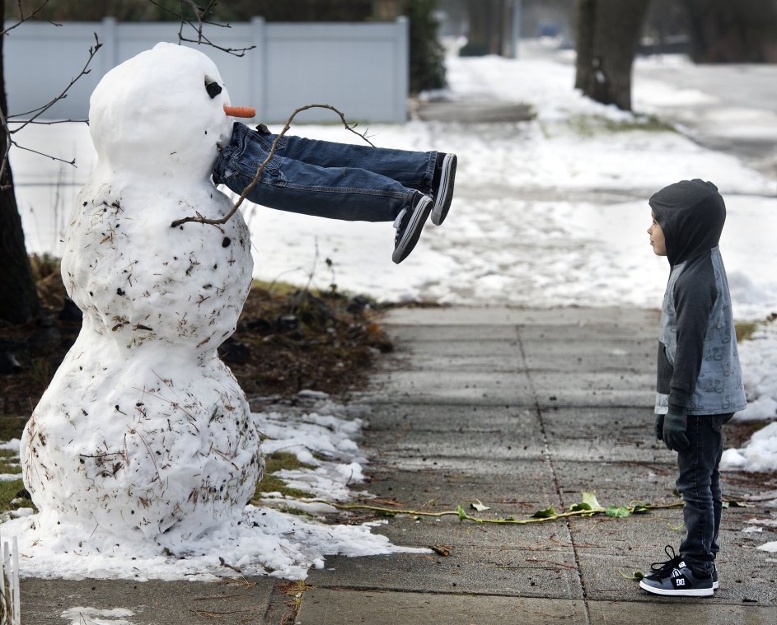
(322, 178)
(699, 485)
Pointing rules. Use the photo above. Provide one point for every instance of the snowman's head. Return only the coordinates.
(161, 114)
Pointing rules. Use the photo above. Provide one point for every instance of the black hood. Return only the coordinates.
(691, 214)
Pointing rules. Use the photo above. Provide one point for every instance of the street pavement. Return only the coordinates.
(519, 410)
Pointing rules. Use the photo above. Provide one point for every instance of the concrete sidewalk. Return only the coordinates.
(520, 410)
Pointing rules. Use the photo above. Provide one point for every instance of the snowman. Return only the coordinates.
(143, 431)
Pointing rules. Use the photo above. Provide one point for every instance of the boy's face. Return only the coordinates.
(657, 238)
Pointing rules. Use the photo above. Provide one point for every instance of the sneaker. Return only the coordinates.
(442, 186)
(679, 582)
(409, 224)
(661, 569)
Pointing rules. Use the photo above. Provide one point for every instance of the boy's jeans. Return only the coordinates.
(699, 484)
(322, 178)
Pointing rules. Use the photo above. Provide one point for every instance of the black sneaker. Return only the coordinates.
(679, 582)
(442, 186)
(409, 224)
(659, 570)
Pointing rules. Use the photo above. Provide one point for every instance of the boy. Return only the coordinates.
(341, 181)
(699, 379)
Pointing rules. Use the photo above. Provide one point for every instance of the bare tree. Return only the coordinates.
(732, 32)
(607, 39)
(485, 27)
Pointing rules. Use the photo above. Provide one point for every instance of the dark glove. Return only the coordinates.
(675, 424)
(658, 427)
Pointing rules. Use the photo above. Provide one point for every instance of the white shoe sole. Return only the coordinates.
(442, 203)
(413, 231)
(667, 592)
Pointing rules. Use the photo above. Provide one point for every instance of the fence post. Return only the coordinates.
(109, 37)
(257, 67)
(402, 69)
(10, 607)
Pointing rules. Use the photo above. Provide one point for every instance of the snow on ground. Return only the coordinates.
(550, 212)
(267, 541)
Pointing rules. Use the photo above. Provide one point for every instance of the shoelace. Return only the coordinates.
(661, 568)
(398, 223)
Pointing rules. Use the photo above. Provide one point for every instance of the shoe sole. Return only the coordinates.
(413, 230)
(442, 204)
(666, 592)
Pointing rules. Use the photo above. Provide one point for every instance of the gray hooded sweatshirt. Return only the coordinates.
(698, 363)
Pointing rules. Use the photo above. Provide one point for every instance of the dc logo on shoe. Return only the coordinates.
(680, 581)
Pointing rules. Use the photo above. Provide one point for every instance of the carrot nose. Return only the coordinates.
(240, 111)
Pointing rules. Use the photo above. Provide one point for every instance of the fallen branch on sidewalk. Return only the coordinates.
(588, 507)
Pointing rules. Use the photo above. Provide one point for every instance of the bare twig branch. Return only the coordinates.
(22, 17)
(200, 13)
(63, 94)
(4, 120)
(36, 113)
(258, 175)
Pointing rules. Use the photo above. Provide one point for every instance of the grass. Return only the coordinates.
(273, 463)
(745, 330)
(588, 126)
(9, 491)
(9, 462)
(11, 427)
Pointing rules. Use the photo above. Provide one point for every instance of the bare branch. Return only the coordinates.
(7, 133)
(49, 156)
(39, 111)
(22, 17)
(258, 175)
(200, 13)
(63, 94)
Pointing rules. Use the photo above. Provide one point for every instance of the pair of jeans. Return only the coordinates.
(699, 484)
(323, 178)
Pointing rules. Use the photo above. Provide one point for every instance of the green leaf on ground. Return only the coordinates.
(590, 499)
(589, 504)
(616, 512)
(545, 514)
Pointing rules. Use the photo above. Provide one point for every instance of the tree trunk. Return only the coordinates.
(740, 32)
(18, 297)
(485, 28)
(607, 39)
(584, 46)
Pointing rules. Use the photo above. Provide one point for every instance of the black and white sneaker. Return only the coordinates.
(442, 186)
(679, 581)
(409, 224)
(659, 570)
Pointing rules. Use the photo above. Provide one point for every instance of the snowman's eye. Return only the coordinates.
(213, 89)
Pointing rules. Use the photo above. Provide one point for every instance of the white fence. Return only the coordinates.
(360, 68)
